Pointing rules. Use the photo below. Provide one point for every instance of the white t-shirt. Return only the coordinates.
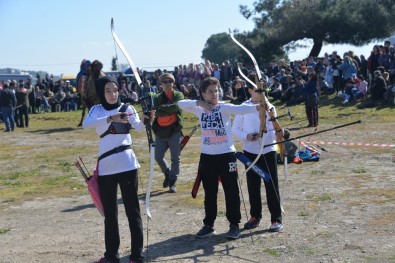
(118, 162)
(216, 124)
(249, 123)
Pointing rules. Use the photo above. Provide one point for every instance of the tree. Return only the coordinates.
(114, 66)
(356, 22)
(220, 47)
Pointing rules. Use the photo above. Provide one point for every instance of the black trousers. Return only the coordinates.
(23, 116)
(268, 162)
(312, 115)
(210, 168)
(128, 183)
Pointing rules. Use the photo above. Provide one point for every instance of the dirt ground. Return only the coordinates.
(340, 209)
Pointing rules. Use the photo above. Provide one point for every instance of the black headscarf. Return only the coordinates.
(100, 83)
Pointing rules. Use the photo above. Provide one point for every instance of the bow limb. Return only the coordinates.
(151, 145)
(262, 111)
(258, 71)
(148, 125)
(125, 53)
(245, 77)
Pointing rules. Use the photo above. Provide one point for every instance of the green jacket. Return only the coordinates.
(166, 107)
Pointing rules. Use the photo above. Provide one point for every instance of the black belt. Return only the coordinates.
(115, 150)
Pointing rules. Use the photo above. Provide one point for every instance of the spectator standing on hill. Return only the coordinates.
(38, 93)
(22, 106)
(337, 75)
(32, 99)
(216, 73)
(311, 100)
(348, 68)
(328, 77)
(7, 105)
(226, 72)
(47, 98)
(355, 59)
(363, 69)
(373, 61)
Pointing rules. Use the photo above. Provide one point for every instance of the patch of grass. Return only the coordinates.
(303, 213)
(272, 252)
(309, 251)
(221, 213)
(9, 200)
(17, 175)
(323, 197)
(65, 166)
(312, 207)
(4, 230)
(360, 170)
(372, 195)
(324, 233)
(319, 172)
(320, 198)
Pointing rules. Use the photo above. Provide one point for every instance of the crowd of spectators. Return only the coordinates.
(349, 76)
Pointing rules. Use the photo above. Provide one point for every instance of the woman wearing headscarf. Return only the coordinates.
(117, 165)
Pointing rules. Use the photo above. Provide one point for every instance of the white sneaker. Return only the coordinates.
(345, 102)
(276, 227)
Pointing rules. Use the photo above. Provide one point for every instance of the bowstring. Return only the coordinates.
(116, 55)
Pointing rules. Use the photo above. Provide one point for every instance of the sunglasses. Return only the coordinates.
(167, 81)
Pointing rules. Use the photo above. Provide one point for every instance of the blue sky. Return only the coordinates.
(55, 35)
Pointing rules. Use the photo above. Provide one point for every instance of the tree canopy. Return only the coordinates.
(280, 23)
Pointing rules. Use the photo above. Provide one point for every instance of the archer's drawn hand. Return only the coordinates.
(148, 117)
(253, 136)
(120, 117)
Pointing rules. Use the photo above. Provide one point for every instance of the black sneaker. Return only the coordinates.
(206, 231)
(166, 180)
(252, 223)
(234, 232)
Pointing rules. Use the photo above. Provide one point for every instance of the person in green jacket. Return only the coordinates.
(167, 127)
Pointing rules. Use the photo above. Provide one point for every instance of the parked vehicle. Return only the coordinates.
(70, 77)
(17, 77)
